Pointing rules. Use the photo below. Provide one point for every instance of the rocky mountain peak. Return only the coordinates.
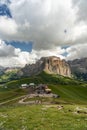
(54, 65)
(51, 65)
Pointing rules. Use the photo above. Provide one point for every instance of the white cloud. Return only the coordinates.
(8, 27)
(43, 22)
(49, 25)
(76, 51)
(11, 56)
(6, 50)
(81, 21)
(51, 52)
(48, 20)
(81, 6)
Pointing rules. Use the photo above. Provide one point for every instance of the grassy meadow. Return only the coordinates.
(43, 117)
(49, 116)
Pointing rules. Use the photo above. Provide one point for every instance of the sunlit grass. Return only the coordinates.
(42, 117)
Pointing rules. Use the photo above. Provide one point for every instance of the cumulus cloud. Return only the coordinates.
(7, 50)
(47, 20)
(76, 51)
(43, 22)
(51, 52)
(81, 6)
(8, 27)
(49, 24)
(81, 21)
(11, 56)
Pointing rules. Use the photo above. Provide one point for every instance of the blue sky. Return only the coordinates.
(24, 46)
(4, 11)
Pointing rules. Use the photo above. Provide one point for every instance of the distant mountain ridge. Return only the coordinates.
(51, 65)
(7, 74)
(79, 68)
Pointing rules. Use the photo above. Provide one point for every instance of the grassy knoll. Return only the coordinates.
(43, 117)
(70, 90)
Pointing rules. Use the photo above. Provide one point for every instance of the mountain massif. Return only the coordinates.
(51, 65)
(79, 68)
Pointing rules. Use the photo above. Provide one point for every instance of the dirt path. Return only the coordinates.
(3, 103)
(22, 101)
(23, 98)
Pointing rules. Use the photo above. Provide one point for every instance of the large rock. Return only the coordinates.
(54, 65)
(51, 65)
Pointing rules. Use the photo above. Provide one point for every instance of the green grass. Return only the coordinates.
(44, 78)
(73, 95)
(11, 94)
(42, 117)
(70, 90)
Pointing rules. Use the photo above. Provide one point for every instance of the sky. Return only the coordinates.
(31, 29)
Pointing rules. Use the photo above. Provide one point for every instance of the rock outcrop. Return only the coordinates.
(54, 65)
(51, 65)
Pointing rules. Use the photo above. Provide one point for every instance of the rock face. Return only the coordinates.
(54, 65)
(51, 65)
(78, 65)
(79, 68)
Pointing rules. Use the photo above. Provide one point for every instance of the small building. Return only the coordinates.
(48, 90)
(24, 86)
(32, 85)
(55, 96)
(42, 88)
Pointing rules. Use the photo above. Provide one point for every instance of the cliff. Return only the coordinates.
(51, 65)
